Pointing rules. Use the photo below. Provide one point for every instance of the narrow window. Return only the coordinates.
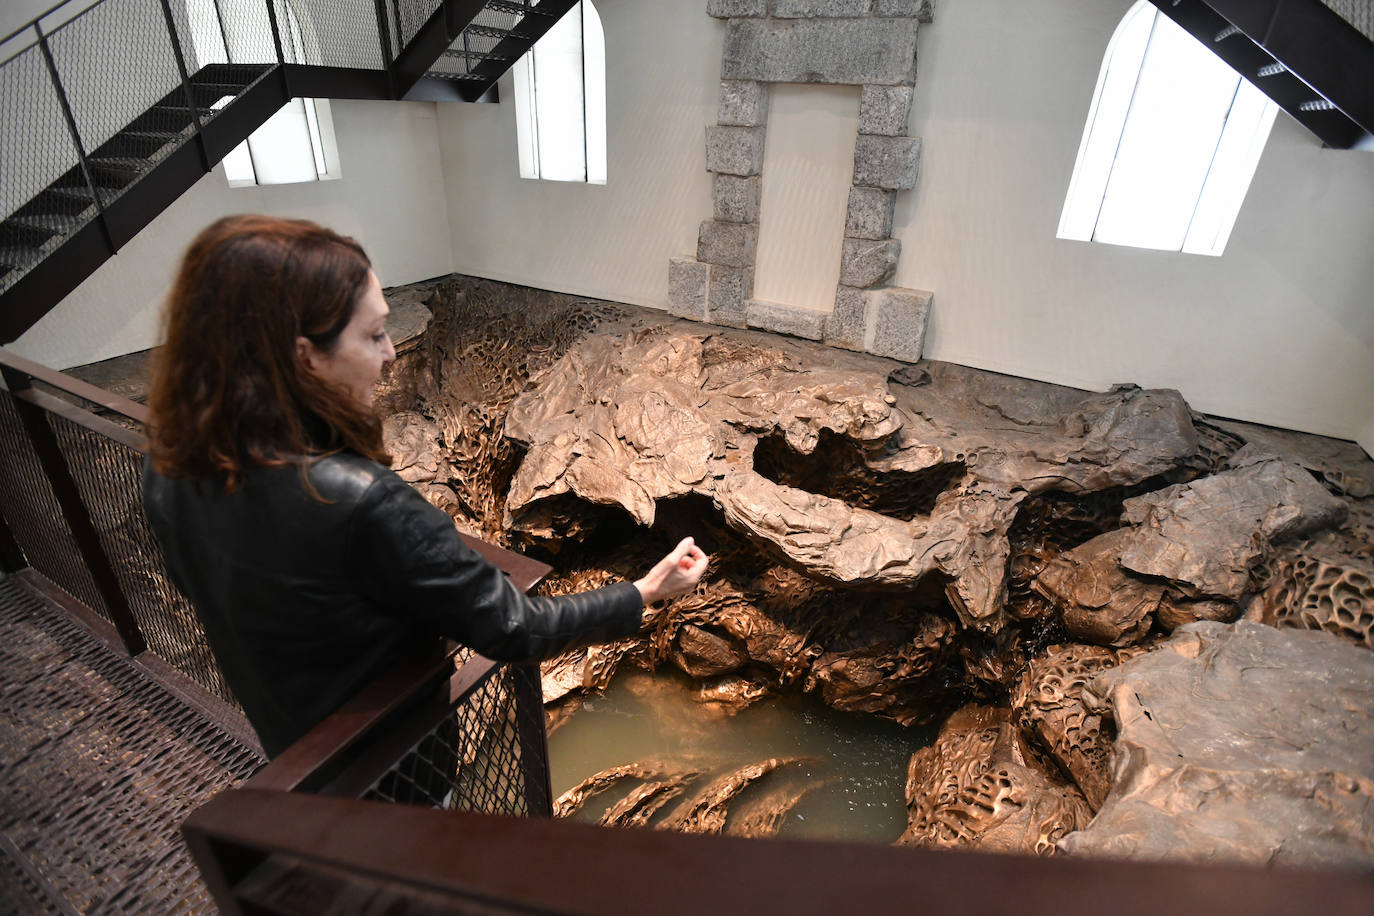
(1170, 146)
(560, 101)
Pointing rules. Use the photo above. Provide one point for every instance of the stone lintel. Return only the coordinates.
(727, 244)
(734, 150)
(899, 322)
(836, 51)
(688, 281)
(736, 199)
(883, 110)
(743, 103)
(887, 162)
(786, 319)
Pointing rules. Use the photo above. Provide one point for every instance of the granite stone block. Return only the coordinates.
(725, 9)
(883, 110)
(846, 325)
(687, 288)
(815, 9)
(786, 319)
(736, 199)
(867, 263)
(743, 103)
(727, 244)
(870, 213)
(922, 10)
(835, 51)
(899, 323)
(728, 299)
(887, 162)
(734, 150)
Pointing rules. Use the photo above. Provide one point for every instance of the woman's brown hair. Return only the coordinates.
(229, 391)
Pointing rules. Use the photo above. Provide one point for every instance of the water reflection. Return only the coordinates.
(847, 781)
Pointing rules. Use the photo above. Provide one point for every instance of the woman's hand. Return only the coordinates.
(675, 574)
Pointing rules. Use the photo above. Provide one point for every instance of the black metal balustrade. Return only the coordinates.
(110, 110)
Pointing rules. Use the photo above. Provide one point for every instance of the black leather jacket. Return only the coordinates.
(304, 601)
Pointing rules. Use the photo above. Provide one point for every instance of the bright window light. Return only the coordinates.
(1171, 144)
(560, 101)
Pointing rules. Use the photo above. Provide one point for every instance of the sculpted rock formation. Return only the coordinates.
(630, 420)
(1239, 743)
(898, 539)
(1050, 707)
(978, 786)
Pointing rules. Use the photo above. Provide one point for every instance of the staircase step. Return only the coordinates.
(505, 6)
(146, 142)
(46, 224)
(78, 196)
(207, 94)
(18, 257)
(474, 55)
(487, 31)
(117, 170)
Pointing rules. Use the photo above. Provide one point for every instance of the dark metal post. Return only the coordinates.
(276, 41)
(534, 739)
(11, 556)
(72, 129)
(186, 84)
(49, 452)
(276, 30)
(384, 39)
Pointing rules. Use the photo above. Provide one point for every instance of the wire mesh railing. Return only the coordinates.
(464, 733)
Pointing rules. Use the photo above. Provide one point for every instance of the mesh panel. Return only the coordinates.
(18, 892)
(333, 33)
(36, 149)
(116, 63)
(109, 476)
(29, 506)
(411, 15)
(473, 760)
(99, 766)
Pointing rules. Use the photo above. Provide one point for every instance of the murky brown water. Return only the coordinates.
(856, 763)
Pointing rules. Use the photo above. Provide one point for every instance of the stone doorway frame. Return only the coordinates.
(868, 43)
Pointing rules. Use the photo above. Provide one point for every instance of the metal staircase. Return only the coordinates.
(1314, 64)
(111, 111)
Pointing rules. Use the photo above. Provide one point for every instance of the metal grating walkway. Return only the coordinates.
(99, 764)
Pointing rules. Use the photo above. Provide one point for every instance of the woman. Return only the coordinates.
(311, 565)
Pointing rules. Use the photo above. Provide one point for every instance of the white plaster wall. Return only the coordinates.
(611, 241)
(1279, 330)
(390, 197)
(1365, 437)
(808, 167)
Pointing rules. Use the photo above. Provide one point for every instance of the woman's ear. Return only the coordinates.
(307, 354)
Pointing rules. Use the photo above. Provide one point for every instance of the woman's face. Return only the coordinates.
(362, 348)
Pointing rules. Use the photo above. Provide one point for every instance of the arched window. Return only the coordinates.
(560, 101)
(1171, 143)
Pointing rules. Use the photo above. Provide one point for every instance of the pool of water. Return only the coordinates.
(853, 765)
